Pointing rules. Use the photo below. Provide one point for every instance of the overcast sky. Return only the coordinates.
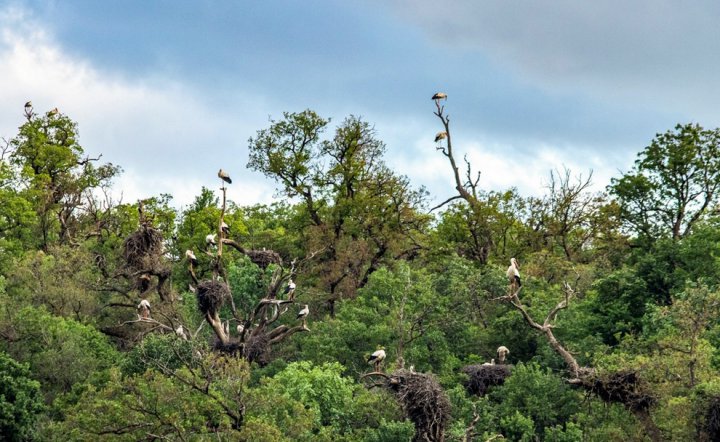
(172, 90)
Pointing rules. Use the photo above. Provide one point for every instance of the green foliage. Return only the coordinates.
(60, 352)
(160, 352)
(673, 184)
(524, 397)
(20, 400)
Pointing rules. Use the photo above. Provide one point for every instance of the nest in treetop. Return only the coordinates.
(256, 349)
(263, 258)
(211, 296)
(482, 377)
(624, 387)
(142, 248)
(424, 402)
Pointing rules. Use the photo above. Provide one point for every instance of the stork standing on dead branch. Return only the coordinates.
(224, 176)
(440, 136)
(513, 274)
(502, 352)
(144, 309)
(303, 313)
(439, 96)
(290, 290)
(377, 357)
(210, 239)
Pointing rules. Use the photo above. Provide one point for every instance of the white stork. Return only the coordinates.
(28, 104)
(144, 309)
(492, 362)
(290, 290)
(224, 176)
(55, 111)
(303, 313)
(225, 228)
(502, 353)
(210, 239)
(377, 357)
(439, 96)
(513, 274)
(440, 136)
(191, 257)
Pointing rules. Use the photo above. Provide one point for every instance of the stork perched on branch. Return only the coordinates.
(377, 357)
(225, 228)
(513, 274)
(439, 96)
(224, 176)
(144, 309)
(440, 136)
(303, 313)
(190, 255)
(210, 239)
(290, 290)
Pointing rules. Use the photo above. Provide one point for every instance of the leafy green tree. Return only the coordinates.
(358, 213)
(20, 400)
(61, 352)
(674, 183)
(57, 176)
(529, 391)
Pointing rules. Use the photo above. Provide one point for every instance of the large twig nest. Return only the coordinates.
(481, 377)
(424, 402)
(211, 295)
(263, 258)
(623, 387)
(256, 348)
(143, 247)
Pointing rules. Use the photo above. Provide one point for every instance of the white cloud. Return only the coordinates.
(166, 137)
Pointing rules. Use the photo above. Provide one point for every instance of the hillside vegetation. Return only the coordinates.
(137, 321)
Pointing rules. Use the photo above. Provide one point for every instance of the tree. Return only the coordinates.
(20, 400)
(357, 211)
(57, 178)
(673, 184)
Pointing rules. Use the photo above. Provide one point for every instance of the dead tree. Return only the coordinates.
(624, 387)
(467, 190)
(257, 329)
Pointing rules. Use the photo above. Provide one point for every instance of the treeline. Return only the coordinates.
(612, 336)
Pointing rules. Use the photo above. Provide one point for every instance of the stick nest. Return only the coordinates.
(424, 402)
(263, 258)
(211, 296)
(143, 248)
(482, 377)
(623, 387)
(256, 349)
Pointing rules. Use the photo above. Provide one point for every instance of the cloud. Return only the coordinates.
(168, 138)
(652, 54)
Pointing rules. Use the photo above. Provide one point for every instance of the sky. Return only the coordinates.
(171, 90)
